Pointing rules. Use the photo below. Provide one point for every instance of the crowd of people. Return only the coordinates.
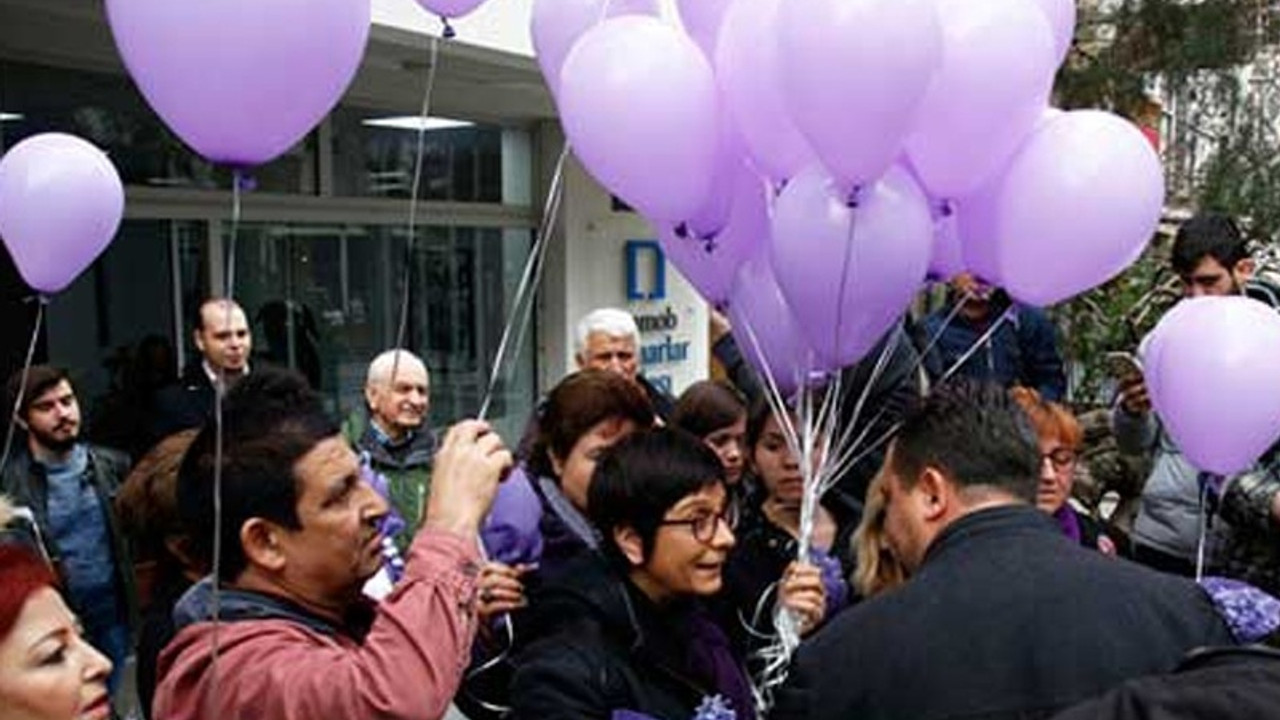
(636, 555)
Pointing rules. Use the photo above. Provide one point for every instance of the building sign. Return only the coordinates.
(665, 330)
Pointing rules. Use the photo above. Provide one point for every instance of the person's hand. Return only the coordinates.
(720, 325)
(465, 478)
(500, 589)
(1133, 396)
(801, 591)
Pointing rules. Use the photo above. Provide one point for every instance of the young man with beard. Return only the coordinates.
(68, 487)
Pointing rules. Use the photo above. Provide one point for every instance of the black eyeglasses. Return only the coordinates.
(1062, 458)
(704, 526)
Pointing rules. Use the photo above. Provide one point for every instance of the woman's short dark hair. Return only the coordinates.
(707, 406)
(641, 477)
(270, 420)
(580, 402)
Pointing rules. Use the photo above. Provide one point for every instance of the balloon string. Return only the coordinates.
(888, 434)
(238, 183)
(522, 305)
(852, 204)
(14, 418)
(402, 328)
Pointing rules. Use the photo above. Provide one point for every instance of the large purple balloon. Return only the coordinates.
(557, 24)
(855, 73)
(241, 81)
(710, 262)
(1061, 15)
(766, 329)
(702, 20)
(849, 272)
(639, 106)
(1075, 206)
(61, 202)
(994, 80)
(749, 70)
(450, 8)
(1218, 371)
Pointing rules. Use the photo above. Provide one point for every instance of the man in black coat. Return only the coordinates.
(223, 338)
(1003, 617)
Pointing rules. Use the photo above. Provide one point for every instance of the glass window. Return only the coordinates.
(109, 111)
(325, 300)
(114, 326)
(374, 154)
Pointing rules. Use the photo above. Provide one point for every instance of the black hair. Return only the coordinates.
(642, 477)
(757, 417)
(975, 434)
(39, 380)
(270, 419)
(707, 406)
(1208, 235)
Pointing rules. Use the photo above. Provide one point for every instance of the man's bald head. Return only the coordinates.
(396, 390)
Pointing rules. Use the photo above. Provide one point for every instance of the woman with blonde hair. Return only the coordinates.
(876, 569)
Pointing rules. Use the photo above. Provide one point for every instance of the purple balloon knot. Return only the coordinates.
(852, 199)
(449, 33)
(242, 180)
(709, 244)
(682, 231)
(946, 208)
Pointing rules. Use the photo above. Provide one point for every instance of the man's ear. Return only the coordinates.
(935, 494)
(198, 340)
(261, 541)
(1244, 269)
(630, 543)
(580, 360)
(370, 395)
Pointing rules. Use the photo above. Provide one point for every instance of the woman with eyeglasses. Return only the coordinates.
(625, 630)
(1060, 437)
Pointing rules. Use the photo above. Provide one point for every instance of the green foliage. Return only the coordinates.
(1226, 157)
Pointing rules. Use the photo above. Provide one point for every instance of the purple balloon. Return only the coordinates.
(855, 73)
(241, 81)
(730, 165)
(557, 24)
(749, 70)
(996, 72)
(849, 272)
(702, 20)
(450, 8)
(1075, 206)
(710, 262)
(1061, 15)
(61, 202)
(638, 103)
(767, 331)
(1219, 377)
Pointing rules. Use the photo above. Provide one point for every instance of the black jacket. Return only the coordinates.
(26, 484)
(1220, 684)
(599, 646)
(186, 404)
(1006, 619)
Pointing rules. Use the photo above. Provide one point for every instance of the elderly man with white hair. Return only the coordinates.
(609, 339)
(391, 430)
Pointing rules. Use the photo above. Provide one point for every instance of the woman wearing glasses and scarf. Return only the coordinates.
(625, 632)
(1060, 437)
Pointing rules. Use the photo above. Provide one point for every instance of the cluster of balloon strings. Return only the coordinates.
(829, 443)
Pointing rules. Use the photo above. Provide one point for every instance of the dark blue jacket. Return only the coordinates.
(1022, 351)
